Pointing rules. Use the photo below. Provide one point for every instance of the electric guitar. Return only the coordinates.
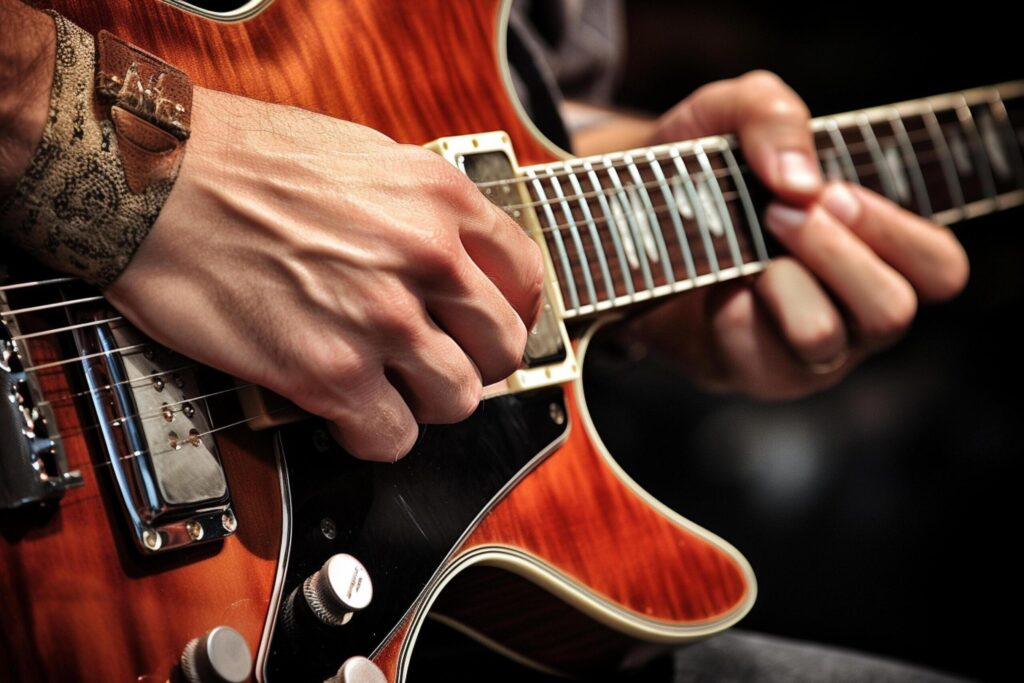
(151, 529)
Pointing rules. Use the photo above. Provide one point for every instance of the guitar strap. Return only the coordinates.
(110, 153)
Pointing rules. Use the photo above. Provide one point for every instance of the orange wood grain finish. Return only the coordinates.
(576, 514)
(413, 70)
(79, 603)
(416, 71)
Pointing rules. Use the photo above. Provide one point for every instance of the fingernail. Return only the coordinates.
(798, 172)
(841, 203)
(781, 218)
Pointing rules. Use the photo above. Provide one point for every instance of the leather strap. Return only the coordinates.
(110, 153)
(150, 105)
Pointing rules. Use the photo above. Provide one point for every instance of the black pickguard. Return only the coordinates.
(400, 520)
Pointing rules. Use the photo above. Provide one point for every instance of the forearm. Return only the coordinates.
(26, 73)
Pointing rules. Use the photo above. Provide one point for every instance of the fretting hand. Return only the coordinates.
(857, 267)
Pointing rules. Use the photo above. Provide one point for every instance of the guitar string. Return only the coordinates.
(85, 428)
(597, 160)
(198, 398)
(853, 148)
(61, 400)
(864, 170)
(731, 198)
(659, 207)
(182, 443)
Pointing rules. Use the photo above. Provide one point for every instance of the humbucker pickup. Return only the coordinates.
(156, 439)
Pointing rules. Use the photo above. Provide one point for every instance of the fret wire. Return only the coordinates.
(924, 204)
(845, 158)
(945, 156)
(655, 224)
(748, 205)
(888, 184)
(732, 198)
(981, 160)
(866, 170)
(577, 241)
(674, 212)
(716, 189)
(557, 234)
(627, 274)
(698, 211)
(620, 193)
(1002, 116)
(592, 228)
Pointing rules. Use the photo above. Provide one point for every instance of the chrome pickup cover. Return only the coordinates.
(155, 429)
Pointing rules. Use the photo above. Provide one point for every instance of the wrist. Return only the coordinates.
(26, 74)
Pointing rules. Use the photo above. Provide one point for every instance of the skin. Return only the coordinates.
(371, 284)
(857, 267)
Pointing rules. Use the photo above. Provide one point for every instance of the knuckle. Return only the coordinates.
(821, 334)
(768, 96)
(507, 354)
(763, 78)
(734, 311)
(448, 184)
(442, 261)
(400, 324)
(951, 278)
(336, 365)
(895, 316)
(465, 401)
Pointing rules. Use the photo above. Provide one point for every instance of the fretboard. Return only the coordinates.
(631, 226)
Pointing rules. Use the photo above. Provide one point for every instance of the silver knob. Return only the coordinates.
(218, 656)
(341, 588)
(358, 670)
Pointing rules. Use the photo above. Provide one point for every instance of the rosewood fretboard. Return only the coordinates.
(630, 226)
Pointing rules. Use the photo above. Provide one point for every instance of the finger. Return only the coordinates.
(508, 257)
(928, 255)
(438, 382)
(802, 311)
(478, 317)
(773, 124)
(753, 353)
(880, 301)
(373, 422)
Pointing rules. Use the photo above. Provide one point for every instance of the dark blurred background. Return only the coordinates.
(879, 515)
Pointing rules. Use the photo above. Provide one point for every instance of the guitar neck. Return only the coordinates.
(632, 226)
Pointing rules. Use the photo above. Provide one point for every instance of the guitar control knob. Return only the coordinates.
(358, 670)
(218, 656)
(341, 588)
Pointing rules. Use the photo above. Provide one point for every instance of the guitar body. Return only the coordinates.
(559, 560)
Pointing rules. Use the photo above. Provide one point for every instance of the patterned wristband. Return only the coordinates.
(109, 156)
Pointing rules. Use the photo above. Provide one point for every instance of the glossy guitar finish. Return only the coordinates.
(79, 602)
